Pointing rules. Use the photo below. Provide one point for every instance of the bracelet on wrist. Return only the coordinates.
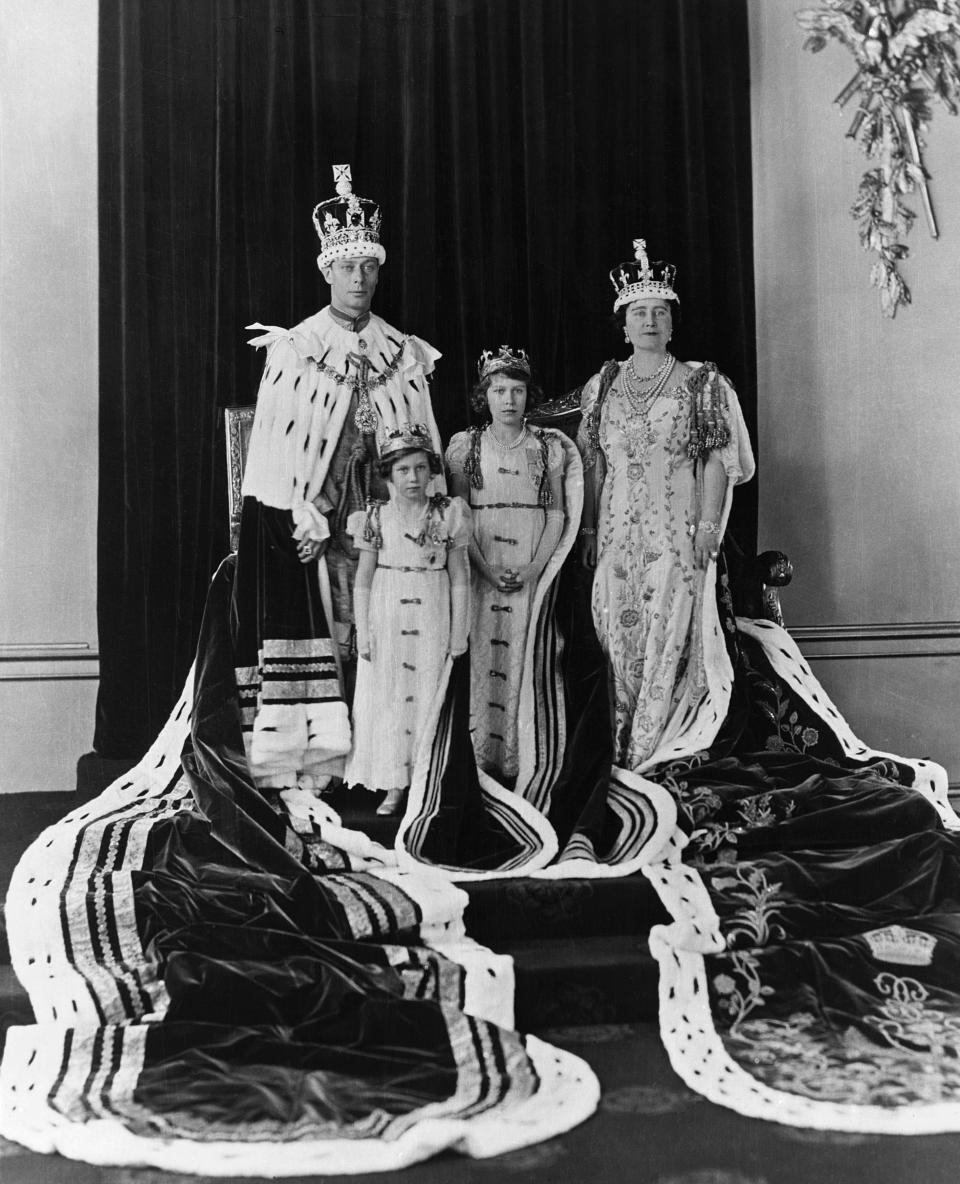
(588, 530)
(708, 527)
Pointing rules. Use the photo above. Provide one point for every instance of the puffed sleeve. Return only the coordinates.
(457, 451)
(556, 460)
(459, 523)
(736, 455)
(356, 527)
(587, 431)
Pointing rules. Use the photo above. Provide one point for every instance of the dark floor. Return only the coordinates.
(650, 1129)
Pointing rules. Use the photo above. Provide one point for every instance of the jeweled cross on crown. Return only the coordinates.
(640, 254)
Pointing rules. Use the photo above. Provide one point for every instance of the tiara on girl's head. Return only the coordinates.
(505, 359)
(408, 435)
(639, 278)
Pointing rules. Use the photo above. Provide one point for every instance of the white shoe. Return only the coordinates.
(393, 802)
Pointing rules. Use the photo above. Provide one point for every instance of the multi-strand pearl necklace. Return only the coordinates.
(644, 392)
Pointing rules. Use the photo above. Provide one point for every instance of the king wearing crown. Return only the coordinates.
(332, 386)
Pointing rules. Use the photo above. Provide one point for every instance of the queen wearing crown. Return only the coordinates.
(663, 445)
(511, 473)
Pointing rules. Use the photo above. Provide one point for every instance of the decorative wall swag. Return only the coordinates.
(906, 54)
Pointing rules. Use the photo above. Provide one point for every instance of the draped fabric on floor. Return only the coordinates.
(809, 972)
(224, 987)
(516, 151)
(219, 990)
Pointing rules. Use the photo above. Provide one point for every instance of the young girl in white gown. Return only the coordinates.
(411, 607)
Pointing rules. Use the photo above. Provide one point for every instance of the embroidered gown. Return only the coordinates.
(409, 630)
(647, 586)
(508, 522)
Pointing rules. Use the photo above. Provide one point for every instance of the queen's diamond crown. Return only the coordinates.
(638, 278)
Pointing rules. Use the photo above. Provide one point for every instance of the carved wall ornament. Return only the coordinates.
(906, 56)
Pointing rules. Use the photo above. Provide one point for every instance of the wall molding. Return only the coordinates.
(55, 661)
(880, 639)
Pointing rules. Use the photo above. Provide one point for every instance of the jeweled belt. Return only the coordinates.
(505, 506)
(394, 567)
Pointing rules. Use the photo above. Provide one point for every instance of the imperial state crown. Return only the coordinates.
(348, 225)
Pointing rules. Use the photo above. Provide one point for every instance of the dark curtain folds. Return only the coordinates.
(516, 149)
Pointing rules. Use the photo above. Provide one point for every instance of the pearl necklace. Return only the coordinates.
(644, 392)
(507, 447)
(664, 365)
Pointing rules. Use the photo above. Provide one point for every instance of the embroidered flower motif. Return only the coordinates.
(809, 736)
(634, 471)
(724, 984)
(629, 618)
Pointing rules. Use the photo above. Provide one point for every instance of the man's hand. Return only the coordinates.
(310, 549)
(588, 551)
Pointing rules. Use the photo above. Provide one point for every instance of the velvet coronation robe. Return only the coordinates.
(225, 980)
(308, 466)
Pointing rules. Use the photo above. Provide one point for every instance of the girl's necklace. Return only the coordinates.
(507, 447)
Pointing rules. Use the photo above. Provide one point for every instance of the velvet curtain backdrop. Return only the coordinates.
(516, 147)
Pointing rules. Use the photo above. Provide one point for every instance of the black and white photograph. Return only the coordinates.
(480, 591)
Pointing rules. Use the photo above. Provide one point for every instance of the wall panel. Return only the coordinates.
(48, 389)
(859, 416)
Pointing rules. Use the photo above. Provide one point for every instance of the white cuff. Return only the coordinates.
(309, 523)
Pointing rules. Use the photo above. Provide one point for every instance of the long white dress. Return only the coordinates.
(647, 586)
(508, 522)
(409, 631)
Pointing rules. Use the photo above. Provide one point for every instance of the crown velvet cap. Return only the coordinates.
(504, 359)
(639, 279)
(348, 225)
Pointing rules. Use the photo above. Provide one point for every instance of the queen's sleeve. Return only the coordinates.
(736, 455)
(587, 431)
